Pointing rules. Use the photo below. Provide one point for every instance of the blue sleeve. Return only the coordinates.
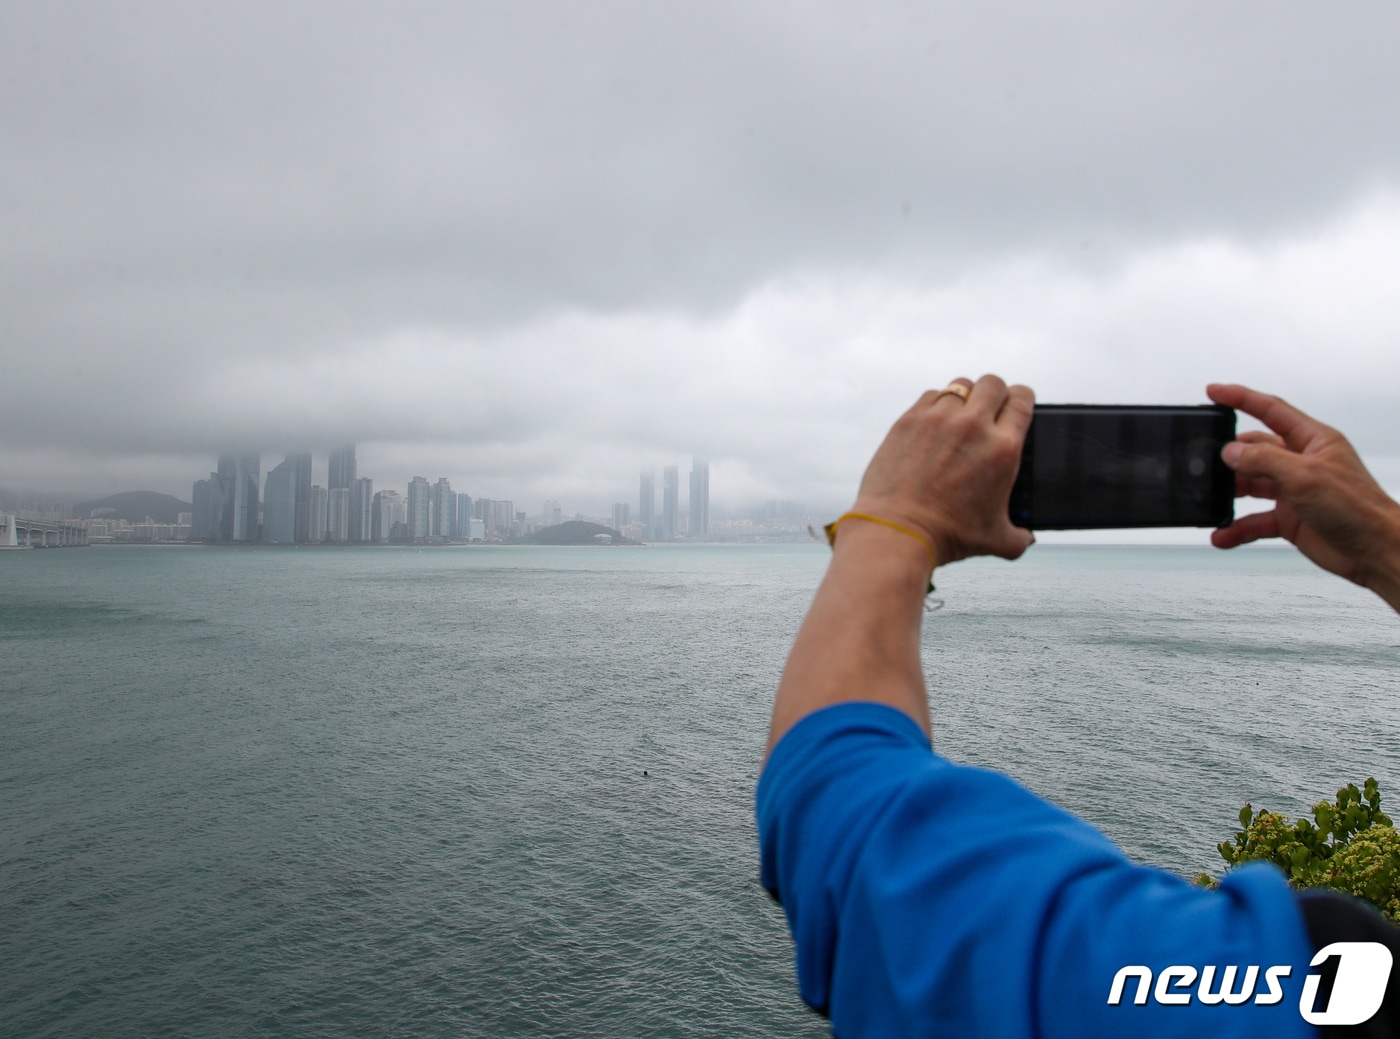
(927, 898)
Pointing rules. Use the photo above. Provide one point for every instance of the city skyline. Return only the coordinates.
(293, 509)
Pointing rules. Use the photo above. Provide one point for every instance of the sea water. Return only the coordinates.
(508, 791)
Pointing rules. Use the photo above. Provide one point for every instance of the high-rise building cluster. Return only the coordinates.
(293, 510)
(669, 524)
(238, 504)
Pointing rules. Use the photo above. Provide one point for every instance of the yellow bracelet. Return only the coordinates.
(831, 527)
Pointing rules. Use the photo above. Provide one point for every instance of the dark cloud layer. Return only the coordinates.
(291, 223)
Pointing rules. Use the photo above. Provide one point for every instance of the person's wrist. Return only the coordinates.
(1383, 573)
(883, 552)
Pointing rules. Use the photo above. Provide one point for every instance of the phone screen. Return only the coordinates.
(1091, 466)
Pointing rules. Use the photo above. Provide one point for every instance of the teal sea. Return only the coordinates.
(509, 791)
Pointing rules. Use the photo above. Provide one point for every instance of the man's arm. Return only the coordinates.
(1326, 502)
(945, 471)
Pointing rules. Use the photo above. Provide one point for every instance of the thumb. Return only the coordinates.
(1260, 459)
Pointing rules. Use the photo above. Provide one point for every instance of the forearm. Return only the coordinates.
(1384, 574)
(860, 640)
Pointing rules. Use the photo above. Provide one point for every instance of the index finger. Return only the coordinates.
(1296, 428)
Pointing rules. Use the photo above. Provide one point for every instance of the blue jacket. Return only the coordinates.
(933, 899)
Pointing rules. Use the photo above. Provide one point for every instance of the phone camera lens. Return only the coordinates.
(1196, 466)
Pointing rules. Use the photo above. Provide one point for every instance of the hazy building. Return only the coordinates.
(444, 509)
(341, 472)
(420, 508)
(699, 499)
(361, 508)
(301, 462)
(498, 517)
(238, 476)
(208, 507)
(464, 516)
(621, 515)
(552, 515)
(389, 510)
(476, 529)
(338, 514)
(670, 501)
(279, 525)
(316, 514)
(646, 503)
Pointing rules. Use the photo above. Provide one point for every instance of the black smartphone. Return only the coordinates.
(1096, 466)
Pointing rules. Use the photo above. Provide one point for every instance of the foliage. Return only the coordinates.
(1349, 845)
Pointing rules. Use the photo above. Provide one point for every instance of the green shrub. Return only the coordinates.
(1349, 845)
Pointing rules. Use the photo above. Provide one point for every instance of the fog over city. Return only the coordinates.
(539, 247)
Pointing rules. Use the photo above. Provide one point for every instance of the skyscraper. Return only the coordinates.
(342, 468)
(420, 508)
(444, 509)
(280, 503)
(208, 508)
(621, 515)
(316, 514)
(464, 516)
(646, 506)
(238, 475)
(301, 461)
(699, 500)
(338, 514)
(390, 511)
(670, 501)
(361, 509)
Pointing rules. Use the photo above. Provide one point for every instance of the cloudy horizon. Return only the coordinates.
(539, 248)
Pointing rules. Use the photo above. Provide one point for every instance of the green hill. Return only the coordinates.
(134, 506)
(574, 532)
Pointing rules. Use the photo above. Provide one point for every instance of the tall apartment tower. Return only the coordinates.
(338, 514)
(670, 501)
(238, 477)
(390, 515)
(279, 524)
(300, 462)
(646, 504)
(621, 515)
(420, 508)
(443, 509)
(464, 516)
(208, 508)
(699, 500)
(316, 514)
(361, 509)
(341, 472)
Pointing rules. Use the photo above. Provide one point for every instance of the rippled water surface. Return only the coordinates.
(392, 792)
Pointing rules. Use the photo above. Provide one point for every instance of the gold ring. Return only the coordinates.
(957, 389)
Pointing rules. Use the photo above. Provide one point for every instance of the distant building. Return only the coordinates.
(238, 476)
(670, 501)
(341, 471)
(476, 529)
(699, 499)
(621, 515)
(208, 507)
(338, 514)
(646, 504)
(420, 508)
(316, 514)
(388, 511)
(361, 509)
(552, 515)
(279, 523)
(444, 509)
(464, 516)
(301, 461)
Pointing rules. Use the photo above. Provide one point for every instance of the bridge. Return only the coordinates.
(18, 532)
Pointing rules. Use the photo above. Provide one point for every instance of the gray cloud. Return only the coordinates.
(548, 243)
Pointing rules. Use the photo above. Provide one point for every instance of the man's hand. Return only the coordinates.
(947, 466)
(1326, 502)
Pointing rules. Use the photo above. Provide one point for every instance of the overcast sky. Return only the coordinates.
(537, 247)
